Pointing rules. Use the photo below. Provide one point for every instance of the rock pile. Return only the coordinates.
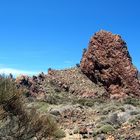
(76, 118)
(108, 61)
(34, 84)
(75, 82)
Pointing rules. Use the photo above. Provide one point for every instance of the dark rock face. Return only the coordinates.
(108, 61)
(138, 75)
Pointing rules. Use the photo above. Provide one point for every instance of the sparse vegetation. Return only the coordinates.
(59, 134)
(8, 90)
(104, 129)
(132, 101)
(84, 102)
(23, 123)
(41, 117)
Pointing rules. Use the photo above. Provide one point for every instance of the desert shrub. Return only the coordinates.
(52, 99)
(103, 117)
(59, 134)
(134, 112)
(135, 120)
(89, 103)
(132, 101)
(76, 130)
(2, 113)
(104, 129)
(56, 99)
(29, 122)
(84, 102)
(8, 90)
(40, 106)
(122, 108)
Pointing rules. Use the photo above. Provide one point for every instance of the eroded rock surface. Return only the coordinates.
(75, 82)
(108, 61)
(138, 75)
(34, 85)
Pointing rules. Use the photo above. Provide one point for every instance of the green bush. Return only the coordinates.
(84, 102)
(132, 101)
(106, 128)
(103, 129)
(53, 99)
(135, 120)
(59, 134)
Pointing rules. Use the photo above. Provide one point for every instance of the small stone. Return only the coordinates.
(34, 138)
(75, 131)
(83, 130)
(70, 133)
(98, 138)
(55, 112)
(90, 132)
(74, 119)
(85, 136)
(102, 136)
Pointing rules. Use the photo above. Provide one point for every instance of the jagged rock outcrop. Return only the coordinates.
(34, 85)
(108, 61)
(138, 75)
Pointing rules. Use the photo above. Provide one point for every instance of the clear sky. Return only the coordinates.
(38, 34)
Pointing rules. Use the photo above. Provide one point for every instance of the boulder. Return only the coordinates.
(107, 61)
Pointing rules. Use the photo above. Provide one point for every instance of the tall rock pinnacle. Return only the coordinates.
(108, 61)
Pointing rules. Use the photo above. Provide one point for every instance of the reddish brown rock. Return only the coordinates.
(34, 85)
(83, 130)
(139, 75)
(108, 61)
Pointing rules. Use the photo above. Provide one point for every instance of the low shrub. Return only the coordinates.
(132, 101)
(29, 122)
(8, 90)
(106, 128)
(103, 129)
(59, 134)
(84, 102)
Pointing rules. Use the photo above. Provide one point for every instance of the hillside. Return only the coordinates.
(100, 99)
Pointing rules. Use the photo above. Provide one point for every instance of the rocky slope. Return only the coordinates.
(82, 100)
(106, 69)
(69, 80)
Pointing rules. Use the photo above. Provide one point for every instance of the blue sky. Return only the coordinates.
(38, 34)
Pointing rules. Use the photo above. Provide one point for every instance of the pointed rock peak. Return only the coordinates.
(108, 61)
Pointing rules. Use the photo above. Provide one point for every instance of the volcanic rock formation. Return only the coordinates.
(34, 85)
(138, 75)
(108, 61)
